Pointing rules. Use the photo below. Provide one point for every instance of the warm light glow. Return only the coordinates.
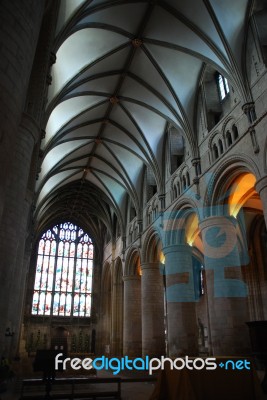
(162, 258)
(138, 268)
(191, 229)
(242, 189)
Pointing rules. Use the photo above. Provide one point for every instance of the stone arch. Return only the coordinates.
(152, 246)
(132, 262)
(216, 145)
(255, 275)
(230, 132)
(265, 157)
(132, 320)
(174, 232)
(221, 177)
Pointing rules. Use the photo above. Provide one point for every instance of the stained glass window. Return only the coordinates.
(63, 279)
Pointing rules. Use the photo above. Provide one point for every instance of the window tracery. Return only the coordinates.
(64, 268)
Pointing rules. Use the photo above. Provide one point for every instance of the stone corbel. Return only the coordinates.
(249, 110)
(197, 164)
(140, 226)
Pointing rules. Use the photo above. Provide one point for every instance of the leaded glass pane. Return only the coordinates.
(91, 252)
(72, 250)
(41, 246)
(41, 303)
(60, 248)
(47, 247)
(68, 304)
(56, 304)
(76, 304)
(62, 304)
(48, 304)
(70, 275)
(66, 249)
(51, 273)
(58, 273)
(221, 86)
(79, 250)
(35, 303)
(88, 305)
(82, 305)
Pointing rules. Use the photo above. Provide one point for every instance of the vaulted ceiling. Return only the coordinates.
(126, 70)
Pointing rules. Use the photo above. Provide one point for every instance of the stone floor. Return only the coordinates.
(129, 390)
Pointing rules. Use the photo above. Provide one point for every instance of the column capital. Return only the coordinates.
(249, 110)
(217, 220)
(126, 278)
(149, 265)
(176, 248)
(248, 106)
(29, 125)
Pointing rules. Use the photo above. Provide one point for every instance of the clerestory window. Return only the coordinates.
(223, 86)
(63, 278)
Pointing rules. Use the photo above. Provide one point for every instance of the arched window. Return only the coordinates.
(63, 279)
(223, 86)
(184, 183)
(215, 152)
(188, 178)
(229, 138)
(220, 146)
(235, 132)
(177, 148)
(151, 188)
(177, 189)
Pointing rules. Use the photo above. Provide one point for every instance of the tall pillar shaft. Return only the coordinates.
(117, 319)
(13, 229)
(153, 328)
(132, 325)
(226, 290)
(180, 297)
(20, 23)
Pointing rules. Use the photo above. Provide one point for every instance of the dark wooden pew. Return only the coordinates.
(70, 388)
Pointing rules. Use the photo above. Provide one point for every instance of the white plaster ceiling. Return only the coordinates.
(124, 70)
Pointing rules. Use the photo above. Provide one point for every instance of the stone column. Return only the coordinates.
(132, 323)
(20, 22)
(21, 287)
(153, 329)
(117, 319)
(227, 292)
(180, 298)
(13, 230)
(261, 187)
